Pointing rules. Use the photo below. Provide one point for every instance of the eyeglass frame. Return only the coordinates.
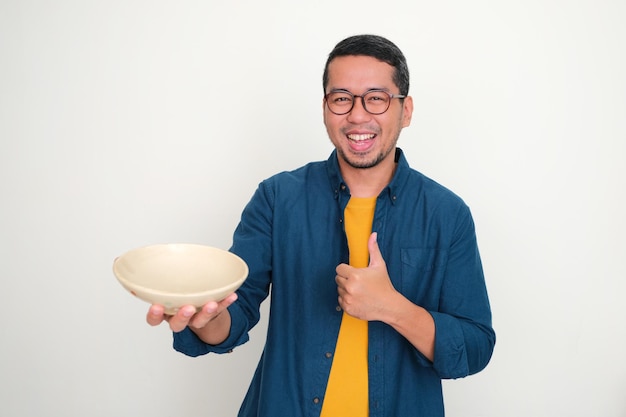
(362, 97)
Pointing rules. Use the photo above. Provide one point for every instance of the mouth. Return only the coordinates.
(361, 142)
(361, 137)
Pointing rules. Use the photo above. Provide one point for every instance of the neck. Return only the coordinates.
(368, 182)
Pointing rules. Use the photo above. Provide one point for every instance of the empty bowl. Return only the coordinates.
(174, 275)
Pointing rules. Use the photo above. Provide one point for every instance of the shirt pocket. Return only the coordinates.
(422, 275)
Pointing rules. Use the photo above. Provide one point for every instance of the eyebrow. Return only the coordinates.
(344, 90)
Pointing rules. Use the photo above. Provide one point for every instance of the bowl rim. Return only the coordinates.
(124, 281)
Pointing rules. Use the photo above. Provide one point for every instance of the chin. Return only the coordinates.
(361, 163)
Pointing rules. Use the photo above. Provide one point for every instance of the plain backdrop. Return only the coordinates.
(127, 123)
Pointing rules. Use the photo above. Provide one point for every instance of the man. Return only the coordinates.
(377, 288)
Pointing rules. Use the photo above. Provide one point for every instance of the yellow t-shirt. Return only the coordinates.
(347, 389)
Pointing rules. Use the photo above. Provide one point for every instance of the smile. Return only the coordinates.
(361, 137)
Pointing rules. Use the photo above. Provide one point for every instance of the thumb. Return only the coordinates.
(376, 258)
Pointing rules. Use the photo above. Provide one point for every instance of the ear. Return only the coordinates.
(407, 111)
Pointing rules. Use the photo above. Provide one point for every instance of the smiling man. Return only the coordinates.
(377, 288)
(361, 116)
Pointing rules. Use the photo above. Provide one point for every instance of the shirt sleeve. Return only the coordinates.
(252, 242)
(464, 337)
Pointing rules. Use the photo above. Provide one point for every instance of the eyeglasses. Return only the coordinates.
(374, 101)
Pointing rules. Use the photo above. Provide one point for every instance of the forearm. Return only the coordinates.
(414, 323)
(215, 331)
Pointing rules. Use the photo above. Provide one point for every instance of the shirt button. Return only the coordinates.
(328, 355)
(338, 308)
(316, 400)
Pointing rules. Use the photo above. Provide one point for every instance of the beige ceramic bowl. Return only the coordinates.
(174, 275)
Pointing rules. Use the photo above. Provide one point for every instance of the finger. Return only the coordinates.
(341, 292)
(155, 315)
(211, 310)
(229, 300)
(376, 258)
(207, 313)
(180, 320)
(343, 270)
(342, 284)
(339, 280)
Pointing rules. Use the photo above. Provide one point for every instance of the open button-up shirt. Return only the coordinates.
(291, 235)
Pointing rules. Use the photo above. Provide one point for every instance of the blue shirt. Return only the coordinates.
(292, 237)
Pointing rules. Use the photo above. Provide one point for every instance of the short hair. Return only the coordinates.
(376, 47)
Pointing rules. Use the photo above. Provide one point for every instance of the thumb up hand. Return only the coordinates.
(365, 293)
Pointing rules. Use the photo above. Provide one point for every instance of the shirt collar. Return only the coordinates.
(392, 190)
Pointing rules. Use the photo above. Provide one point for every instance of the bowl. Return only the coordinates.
(178, 274)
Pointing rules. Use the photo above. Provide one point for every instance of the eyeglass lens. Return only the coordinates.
(374, 102)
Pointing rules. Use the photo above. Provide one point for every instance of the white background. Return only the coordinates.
(127, 123)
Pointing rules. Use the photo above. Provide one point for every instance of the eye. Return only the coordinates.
(340, 98)
(377, 97)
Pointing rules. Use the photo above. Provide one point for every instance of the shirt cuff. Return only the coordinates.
(188, 343)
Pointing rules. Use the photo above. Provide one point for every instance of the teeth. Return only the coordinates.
(361, 137)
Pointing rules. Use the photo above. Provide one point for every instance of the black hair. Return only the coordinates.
(376, 47)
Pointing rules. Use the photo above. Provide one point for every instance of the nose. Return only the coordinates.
(358, 113)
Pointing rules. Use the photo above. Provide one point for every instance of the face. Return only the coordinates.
(364, 140)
